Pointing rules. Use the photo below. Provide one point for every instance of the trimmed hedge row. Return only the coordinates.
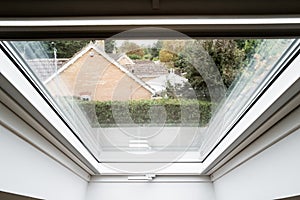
(166, 111)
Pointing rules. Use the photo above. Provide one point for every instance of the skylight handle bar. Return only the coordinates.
(147, 177)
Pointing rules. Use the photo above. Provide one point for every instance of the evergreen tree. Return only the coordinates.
(205, 61)
(65, 48)
(110, 46)
(155, 49)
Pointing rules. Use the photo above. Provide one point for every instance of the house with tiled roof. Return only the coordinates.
(147, 69)
(93, 75)
(121, 58)
(45, 67)
(155, 74)
(160, 83)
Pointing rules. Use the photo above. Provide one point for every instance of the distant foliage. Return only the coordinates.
(138, 52)
(174, 46)
(110, 46)
(65, 48)
(202, 57)
(147, 57)
(170, 49)
(180, 62)
(134, 57)
(166, 56)
(155, 49)
(131, 48)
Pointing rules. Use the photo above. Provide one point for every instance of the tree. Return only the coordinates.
(180, 63)
(166, 56)
(170, 50)
(202, 73)
(154, 50)
(131, 48)
(227, 57)
(170, 91)
(249, 47)
(109, 46)
(174, 46)
(65, 48)
(211, 64)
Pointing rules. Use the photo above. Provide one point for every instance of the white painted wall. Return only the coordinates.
(150, 191)
(26, 170)
(271, 174)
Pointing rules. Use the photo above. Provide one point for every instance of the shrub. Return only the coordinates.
(134, 56)
(106, 112)
(147, 57)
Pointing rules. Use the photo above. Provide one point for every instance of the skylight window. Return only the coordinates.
(158, 100)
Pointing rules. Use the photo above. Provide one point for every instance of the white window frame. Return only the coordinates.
(280, 85)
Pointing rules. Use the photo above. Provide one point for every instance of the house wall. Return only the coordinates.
(27, 170)
(97, 77)
(116, 85)
(271, 174)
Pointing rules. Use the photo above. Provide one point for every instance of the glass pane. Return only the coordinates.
(152, 100)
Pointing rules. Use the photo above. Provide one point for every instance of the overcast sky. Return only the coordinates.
(139, 42)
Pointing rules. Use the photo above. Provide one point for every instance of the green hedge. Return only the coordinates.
(134, 56)
(100, 112)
